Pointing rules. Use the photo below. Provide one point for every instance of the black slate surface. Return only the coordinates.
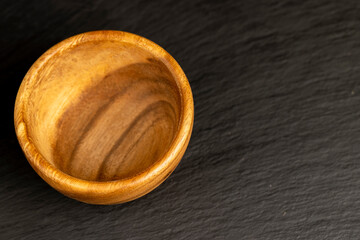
(275, 147)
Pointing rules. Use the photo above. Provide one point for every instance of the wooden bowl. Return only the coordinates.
(104, 117)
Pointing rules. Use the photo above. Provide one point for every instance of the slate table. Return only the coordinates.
(275, 151)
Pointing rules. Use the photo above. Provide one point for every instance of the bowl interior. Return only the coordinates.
(103, 110)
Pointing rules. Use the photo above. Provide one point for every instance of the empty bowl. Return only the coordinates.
(104, 117)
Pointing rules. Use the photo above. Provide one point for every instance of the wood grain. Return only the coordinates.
(104, 117)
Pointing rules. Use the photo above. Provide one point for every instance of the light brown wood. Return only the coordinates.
(104, 117)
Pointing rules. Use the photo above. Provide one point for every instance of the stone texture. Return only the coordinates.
(275, 148)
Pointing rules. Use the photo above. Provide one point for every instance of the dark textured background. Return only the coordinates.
(275, 147)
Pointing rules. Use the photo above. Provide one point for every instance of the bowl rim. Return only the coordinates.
(128, 188)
